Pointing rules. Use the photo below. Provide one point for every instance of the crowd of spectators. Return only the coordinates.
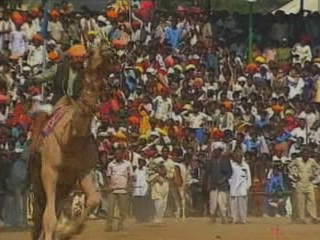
(183, 84)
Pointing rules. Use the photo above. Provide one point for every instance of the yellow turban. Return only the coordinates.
(93, 33)
(260, 59)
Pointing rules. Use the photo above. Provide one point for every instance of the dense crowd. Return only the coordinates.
(183, 94)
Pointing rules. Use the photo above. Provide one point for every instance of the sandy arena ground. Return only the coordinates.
(194, 229)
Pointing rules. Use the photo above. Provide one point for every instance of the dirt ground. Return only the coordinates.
(195, 229)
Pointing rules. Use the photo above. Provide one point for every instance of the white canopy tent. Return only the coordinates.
(294, 6)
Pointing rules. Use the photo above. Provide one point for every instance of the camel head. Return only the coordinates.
(101, 60)
(99, 63)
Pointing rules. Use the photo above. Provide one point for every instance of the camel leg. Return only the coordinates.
(176, 198)
(183, 202)
(67, 229)
(93, 197)
(49, 180)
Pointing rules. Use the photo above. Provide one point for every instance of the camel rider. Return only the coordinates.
(67, 75)
(66, 78)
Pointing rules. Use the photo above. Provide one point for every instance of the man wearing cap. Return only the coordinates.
(35, 55)
(162, 105)
(55, 26)
(119, 174)
(305, 170)
(301, 52)
(18, 42)
(66, 78)
(219, 171)
(67, 75)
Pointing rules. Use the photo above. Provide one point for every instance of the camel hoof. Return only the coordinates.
(66, 229)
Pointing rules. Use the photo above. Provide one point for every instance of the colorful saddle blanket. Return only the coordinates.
(53, 120)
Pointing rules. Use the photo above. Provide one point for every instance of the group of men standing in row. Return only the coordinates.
(228, 182)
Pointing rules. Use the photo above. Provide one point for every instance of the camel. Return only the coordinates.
(67, 156)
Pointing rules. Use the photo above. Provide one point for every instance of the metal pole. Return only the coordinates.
(250, 43)
(45, 32)
(319, 6)
(301, 6)
(209, 5)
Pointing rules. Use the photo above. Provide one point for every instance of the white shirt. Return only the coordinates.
(18, 43)
(140, 184)
(175, 117)
(304, 53)
(88, 25)
(134, 158)
(295, 87)
(299, 132)
(36, 56)
(197, 120)
(6, 26)
(56, 30)
(162, 107)
(240, 181)
(282, 159)
(30, 30)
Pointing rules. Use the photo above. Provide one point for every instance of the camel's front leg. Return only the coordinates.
(66, 229)
(176, 198)
(49, 177)
(182, 193)
(92, 195)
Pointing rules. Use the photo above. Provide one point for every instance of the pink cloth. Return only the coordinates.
(270, 54)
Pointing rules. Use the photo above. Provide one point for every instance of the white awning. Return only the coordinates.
(294, 6)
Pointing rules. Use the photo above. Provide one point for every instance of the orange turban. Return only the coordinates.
(37, 37)
(133, 120)
(53, 56)
(227, 104)
(198, 82)
(17, 18)
(77, 50)
(55, 13)
(112, 14)
(277, 108)
(119, 44)
(251, 68)
(216, 133)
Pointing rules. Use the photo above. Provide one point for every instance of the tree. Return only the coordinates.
(12, 4)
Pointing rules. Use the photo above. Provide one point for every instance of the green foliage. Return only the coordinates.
(11, 4)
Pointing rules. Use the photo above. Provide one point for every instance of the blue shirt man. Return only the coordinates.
(173, 35)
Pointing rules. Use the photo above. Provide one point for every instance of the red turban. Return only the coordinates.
(169, 61)
(55, 13)
(216, 133)
(251, 68)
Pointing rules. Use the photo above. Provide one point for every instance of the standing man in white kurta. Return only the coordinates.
(18, 42)
(240, 183)
(161, 172)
